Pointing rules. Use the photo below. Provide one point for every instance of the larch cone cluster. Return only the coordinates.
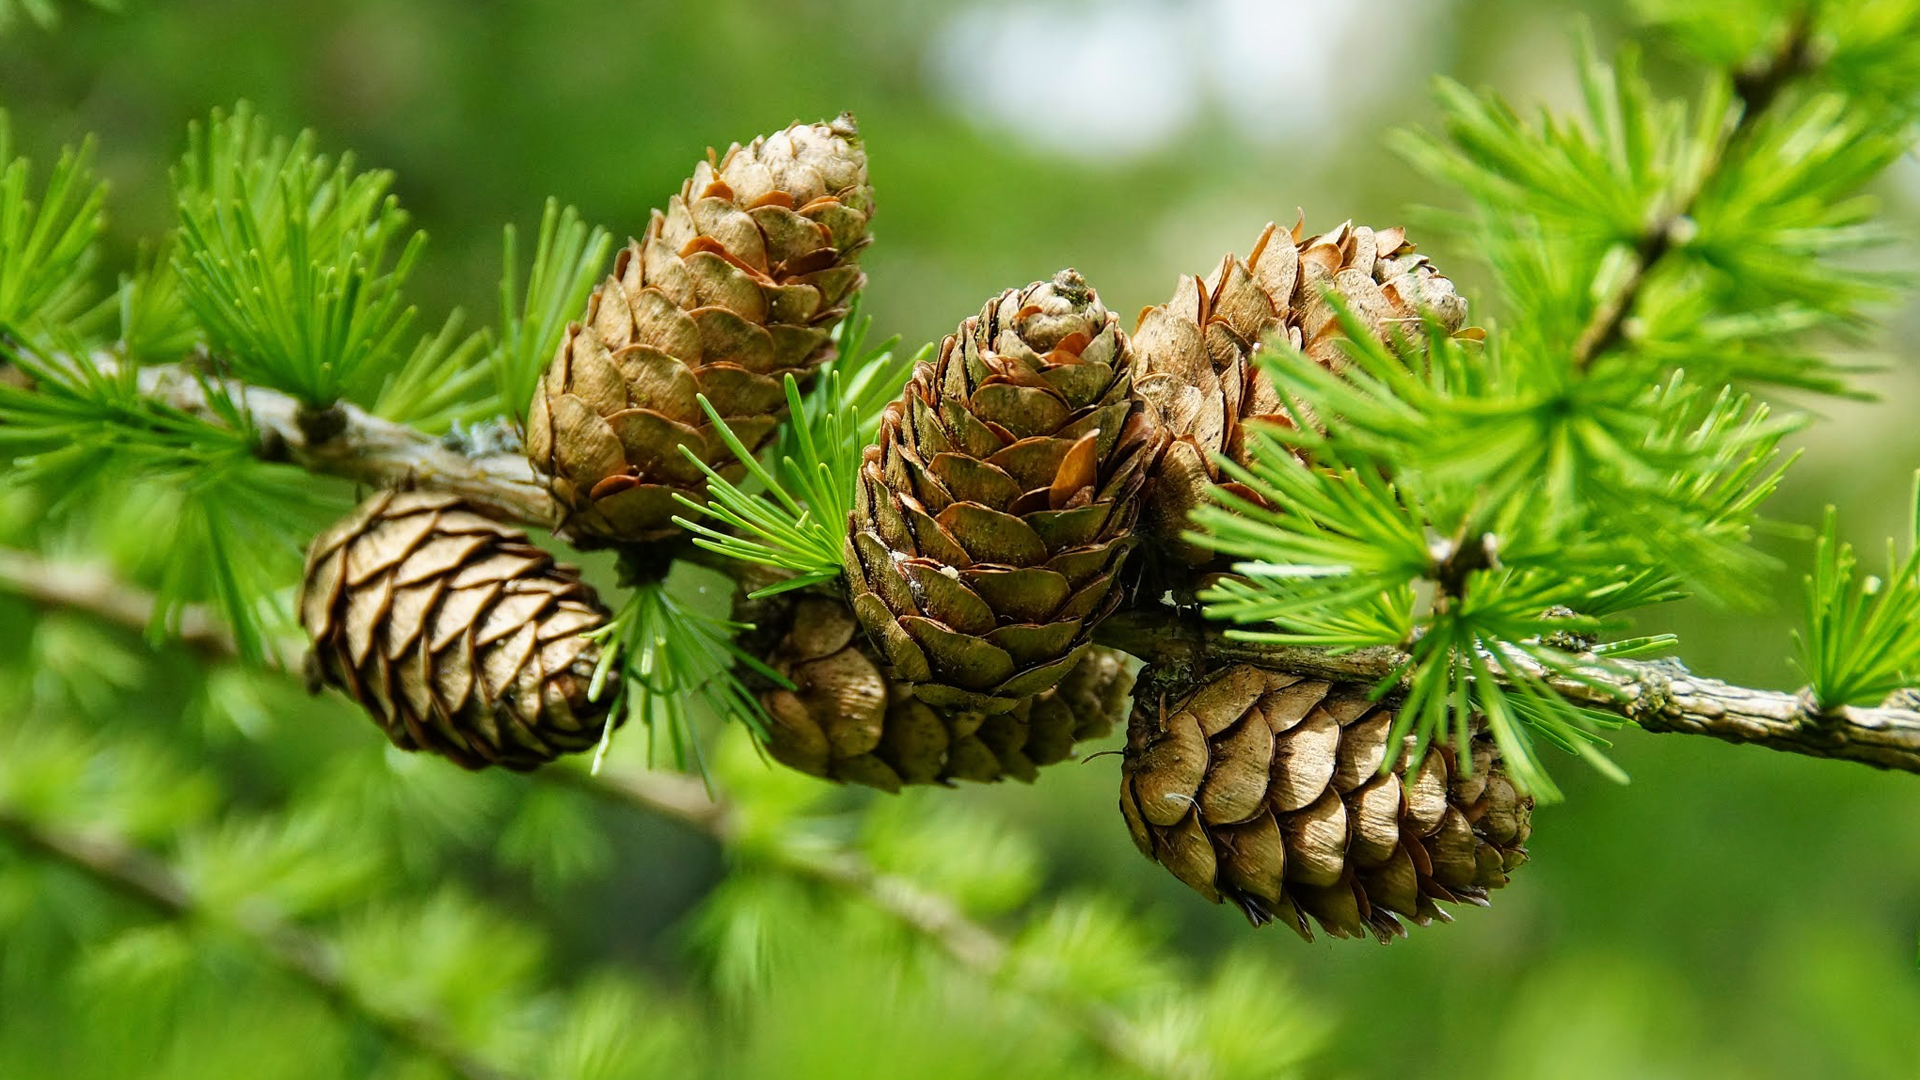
(993, 520)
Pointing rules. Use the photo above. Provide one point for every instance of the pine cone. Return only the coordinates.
(736, 286)
(847, 721)
(992, 519)
(1265, 789)
(455, 632)
(1196, 352)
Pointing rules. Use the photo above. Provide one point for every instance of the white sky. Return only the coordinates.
(1113, 78)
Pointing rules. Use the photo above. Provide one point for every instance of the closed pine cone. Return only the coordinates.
(1265, 789)
(736, 286)
(992, 519)
(454, 632)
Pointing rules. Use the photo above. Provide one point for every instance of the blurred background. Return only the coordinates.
(1730, 913)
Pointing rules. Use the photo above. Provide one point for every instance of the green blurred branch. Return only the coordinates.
(676, 796)
(139, 876)
(95, 590)
(686, 799)
(1756, 88)
(931, 915)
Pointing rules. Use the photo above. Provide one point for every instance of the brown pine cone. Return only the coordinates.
(1196, 352)
(1265, 789)
(454, 632)
(737, 285)
(992, 518)
(845, 720)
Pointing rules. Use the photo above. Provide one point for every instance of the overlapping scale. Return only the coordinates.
(845, 720)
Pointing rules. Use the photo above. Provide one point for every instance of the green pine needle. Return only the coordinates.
(1862, 637)
(233, 527)
(793, 515)
(442, 382)
(155, 323)
(294, 262)
(661, 655)
(47, 242)
(1768, 220)
(568, 258)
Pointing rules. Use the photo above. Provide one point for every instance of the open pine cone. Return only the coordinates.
(845, 720)
(1196, 352)
(737, 285)
(1266, 789)
(454, 632)
(992, 519)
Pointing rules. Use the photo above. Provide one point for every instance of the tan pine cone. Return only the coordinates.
(845, 720)
(1265, 789)
(1196, 352)
(992, 519)
(454, 632)
(737, 285)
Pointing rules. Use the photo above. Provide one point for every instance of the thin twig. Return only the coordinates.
(675, 796)
(361, 447)
(1659, 696)
(1757, 88)
(139, 876)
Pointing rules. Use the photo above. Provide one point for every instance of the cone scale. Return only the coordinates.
(845, 720)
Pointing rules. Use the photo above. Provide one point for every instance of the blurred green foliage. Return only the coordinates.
(1654, 924)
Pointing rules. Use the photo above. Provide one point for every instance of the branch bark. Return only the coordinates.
(356, 445)
(139, 876)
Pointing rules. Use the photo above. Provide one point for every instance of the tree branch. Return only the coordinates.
(95, 590)
(1757, 88)
(1659, 696)
(131, 872)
